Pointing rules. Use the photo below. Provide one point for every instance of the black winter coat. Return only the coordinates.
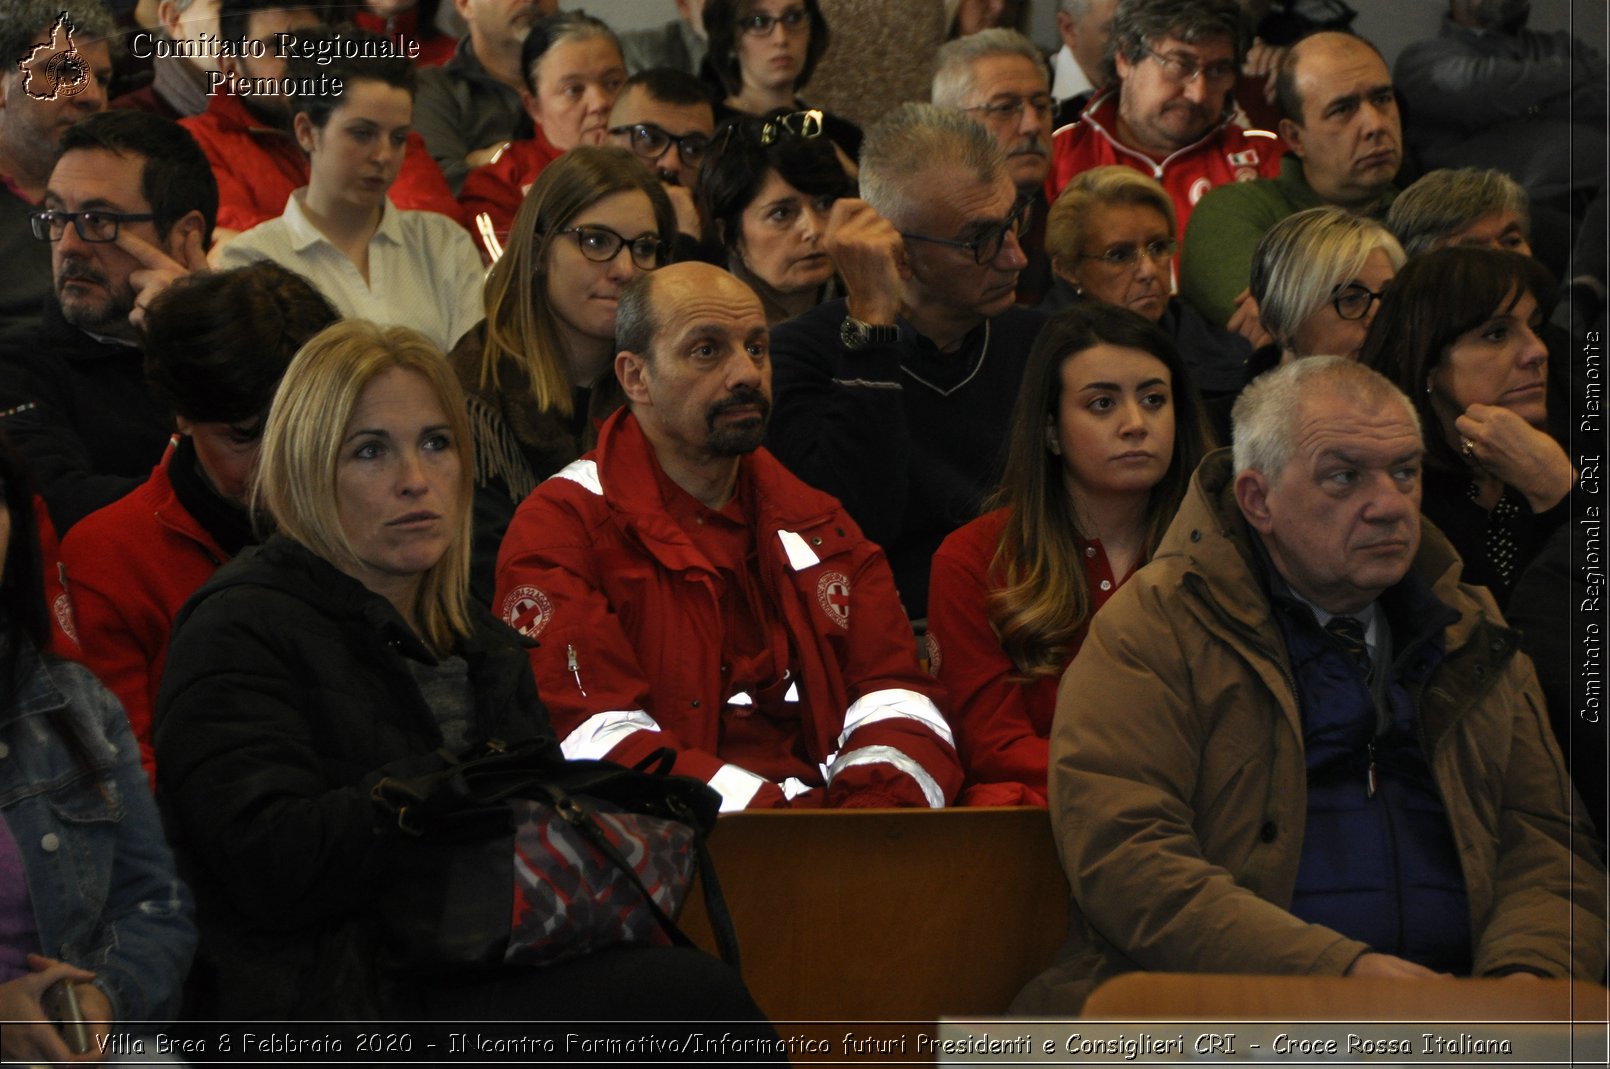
(286, 697)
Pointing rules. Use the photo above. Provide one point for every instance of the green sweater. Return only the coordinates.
(1225, 229)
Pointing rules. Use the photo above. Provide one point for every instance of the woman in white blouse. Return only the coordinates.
(372, 260)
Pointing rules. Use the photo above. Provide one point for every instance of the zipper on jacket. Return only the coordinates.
(1369, 775)
(570, 662)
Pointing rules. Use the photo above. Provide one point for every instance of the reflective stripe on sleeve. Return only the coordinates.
(737, 787)
(888, 755)
(895, 704)
(602, 732)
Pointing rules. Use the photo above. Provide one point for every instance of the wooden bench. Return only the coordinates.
(887, 915)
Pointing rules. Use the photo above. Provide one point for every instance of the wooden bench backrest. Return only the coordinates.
(894, 915)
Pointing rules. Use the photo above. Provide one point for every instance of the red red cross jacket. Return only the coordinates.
(130, 568)
(1227, 153)
(627, 615)
(259, 167)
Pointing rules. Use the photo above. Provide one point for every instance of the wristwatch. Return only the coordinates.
(858, 335)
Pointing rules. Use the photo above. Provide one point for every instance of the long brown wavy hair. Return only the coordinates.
(1044, 599)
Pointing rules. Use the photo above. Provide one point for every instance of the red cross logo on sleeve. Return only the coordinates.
(833, 595)
(527, 610)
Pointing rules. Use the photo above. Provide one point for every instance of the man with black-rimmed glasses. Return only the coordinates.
(896, 399)
(128, 208)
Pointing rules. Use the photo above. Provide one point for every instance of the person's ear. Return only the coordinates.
(191, 222)
(1121, 64)
(630, 370)
(1292, 134)
(1252, 497)
(302, 126)
(529, 102)
(168, 17)
(1051, 441)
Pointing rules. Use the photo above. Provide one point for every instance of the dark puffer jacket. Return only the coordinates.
(287, 695)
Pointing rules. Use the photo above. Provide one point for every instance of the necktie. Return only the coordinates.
(1349, 631)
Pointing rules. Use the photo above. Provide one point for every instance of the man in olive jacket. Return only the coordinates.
(1297, 743)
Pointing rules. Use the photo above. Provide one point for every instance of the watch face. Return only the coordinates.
(852, 333)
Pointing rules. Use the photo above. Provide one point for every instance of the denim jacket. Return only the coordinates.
(100, 874)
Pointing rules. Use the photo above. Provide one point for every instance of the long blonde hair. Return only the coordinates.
(296, 481)
(519, 320)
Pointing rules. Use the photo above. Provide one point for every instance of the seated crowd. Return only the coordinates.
(597, 393)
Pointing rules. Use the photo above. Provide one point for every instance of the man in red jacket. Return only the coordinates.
(1171, 65)
(685, 591)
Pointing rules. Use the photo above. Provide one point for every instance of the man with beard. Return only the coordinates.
(128, 209)
(687, 592)
(664, 116)
(996, 76)
(469, 109)
(1165, 108)
(32, 122)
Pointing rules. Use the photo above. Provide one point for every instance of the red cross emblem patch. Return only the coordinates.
(833, 595)
(527, 610)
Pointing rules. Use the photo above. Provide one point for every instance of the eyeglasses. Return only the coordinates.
(1007, 109)
(1129, 255)
(794, 20)
(650, 142)
(1353, 301)
(94, 226)
(1183, 70)
(987, 246)
(805, 124)
(600, 244)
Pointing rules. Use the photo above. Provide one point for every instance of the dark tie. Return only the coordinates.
(1349, 631)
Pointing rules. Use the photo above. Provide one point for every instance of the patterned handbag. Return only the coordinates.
(588, 854)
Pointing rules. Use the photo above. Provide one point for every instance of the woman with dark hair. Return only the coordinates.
(762, 53)
(1458, 333)
(1105, 436)
(544, 378)
(573, 71)
(216, 344)
(764, 193)
(370, 259)
(88, 895)
(343, 650)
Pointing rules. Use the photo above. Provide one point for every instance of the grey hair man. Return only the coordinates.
(917, 366)
(178, 84)
(1299, 670)
(1084, 27)
(997, 77)
(1468, 206)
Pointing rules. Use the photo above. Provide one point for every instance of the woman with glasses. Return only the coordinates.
(1458, 334)
(370, 259)
(1318, 277)
(763, 52)
(573, 71)
(1106, 433)
(764, 193)
(542, 379)
(1111, 238)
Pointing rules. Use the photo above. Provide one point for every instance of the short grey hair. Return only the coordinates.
(911, 141)
(954, 83)
(1444, 201)
(1301, 260)
(1075, 9)
(1263, 422)
(1136, 23)
(22, 22)
(636, 319)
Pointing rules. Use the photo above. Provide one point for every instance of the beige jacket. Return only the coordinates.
(1179, 793)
